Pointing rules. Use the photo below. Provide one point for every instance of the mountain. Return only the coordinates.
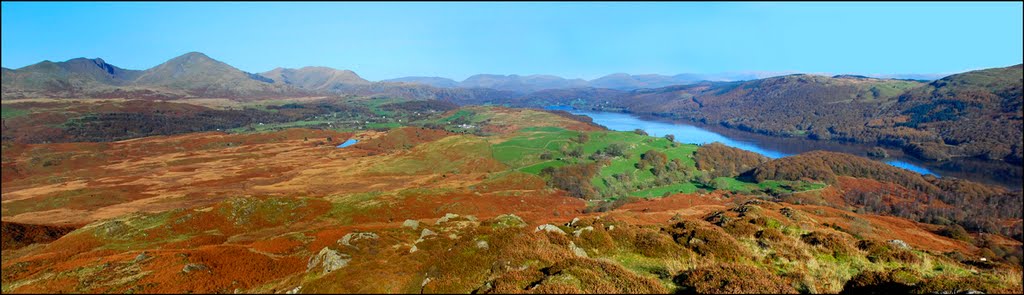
(623, 81)
(522, 84)
(315, 78)
(201, 76)
(977, 114)
(72, 77)
(431, 81)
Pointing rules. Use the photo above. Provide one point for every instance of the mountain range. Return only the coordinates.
(196, 75)
(961, 115)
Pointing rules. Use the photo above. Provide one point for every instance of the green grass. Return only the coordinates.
(732, 184)
(657, 192)
(436, 157)
(387, 125)
(9, 112)
(257, 128)
(536, 168)
(525, 150)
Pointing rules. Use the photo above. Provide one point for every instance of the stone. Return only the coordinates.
(579, 252)
(426, 233)
(549, 228)
(508, 220)
(579, 232)
(330, 260)
(191, 267)
(481, 244)
(446, 218)
(414, 224)
(349, 238)
(141, 257)
(899, 244)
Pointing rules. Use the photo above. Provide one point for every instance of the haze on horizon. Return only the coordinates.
(573, 40)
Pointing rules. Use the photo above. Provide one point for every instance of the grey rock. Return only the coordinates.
(549, 228)
(349, 238)
(426, 233)
(414, 224)
(899, 244)
(329, 260)
(191, 267)
(579, 232)
(446, 218)
(141, 257)
(579, 252)
(508, 220)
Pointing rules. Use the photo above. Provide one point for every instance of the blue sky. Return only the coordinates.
(574, 40)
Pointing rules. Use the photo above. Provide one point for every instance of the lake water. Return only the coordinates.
(348, 143)
(686, 133)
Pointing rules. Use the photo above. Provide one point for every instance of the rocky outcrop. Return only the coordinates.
(549, 228)
(350, 238)
(329, 260)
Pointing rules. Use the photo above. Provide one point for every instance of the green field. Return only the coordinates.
(657, 192)
(9, 112)
(523, 153)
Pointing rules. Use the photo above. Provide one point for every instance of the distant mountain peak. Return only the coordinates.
(318, 78)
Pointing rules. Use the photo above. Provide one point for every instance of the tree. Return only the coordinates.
(616, 150)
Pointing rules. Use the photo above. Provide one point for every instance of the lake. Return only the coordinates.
(984, 171)
(348, 143)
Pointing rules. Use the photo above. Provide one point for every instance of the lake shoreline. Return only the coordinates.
(984, 171)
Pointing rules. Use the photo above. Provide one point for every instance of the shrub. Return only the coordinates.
(654, 244)
(706, 240)
(901, 280)
(879, 252)
(956, 232)
(732, 279)
(948, 284)
(831, 242)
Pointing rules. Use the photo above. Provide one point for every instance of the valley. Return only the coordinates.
(433, 197)
(511, 148)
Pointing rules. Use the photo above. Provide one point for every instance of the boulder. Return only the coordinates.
(141, 257)
(579, 232)
(549, 228)
(508, 220)
(579, 252)
(446, 218)
(426, 233)
(413, 224)
(899, 244)
(329, 260)
(191, 267)
(349, 238)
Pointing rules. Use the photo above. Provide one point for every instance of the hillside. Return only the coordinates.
(315, 78)
(472, 199)
(430, 81)
(201, 76)
(976, 114)
(969, 115)
(69, 78)
(521, 84)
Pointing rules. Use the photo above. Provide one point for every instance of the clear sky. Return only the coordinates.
(574, 40)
